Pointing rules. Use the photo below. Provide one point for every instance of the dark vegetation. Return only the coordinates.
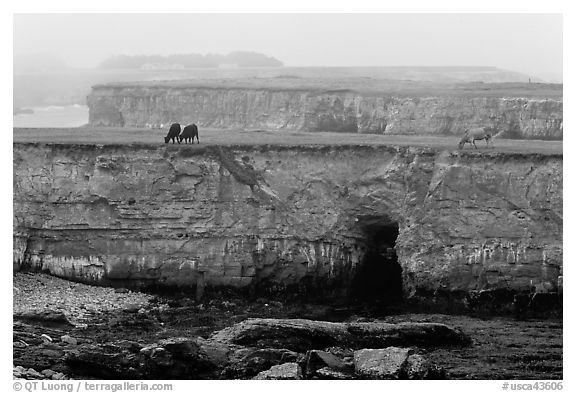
(192, 60)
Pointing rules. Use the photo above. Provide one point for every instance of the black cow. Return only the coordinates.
(188, 133)
(173, 133)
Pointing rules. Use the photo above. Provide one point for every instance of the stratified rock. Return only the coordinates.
(105, 361)
(49, 318)
(301, 334)
(387, 363)
(273, 105)
(282, 371)
(265, 222)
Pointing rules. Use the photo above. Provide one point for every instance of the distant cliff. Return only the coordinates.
(411, 109)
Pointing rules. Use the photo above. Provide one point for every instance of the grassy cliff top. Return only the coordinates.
(270, 139)
(360, 85)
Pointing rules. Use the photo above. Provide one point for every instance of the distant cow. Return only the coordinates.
(173, 133)
(476, 134)
(188, 133)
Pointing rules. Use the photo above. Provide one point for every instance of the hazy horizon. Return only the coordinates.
(525, 43)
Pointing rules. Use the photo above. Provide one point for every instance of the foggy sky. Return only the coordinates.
(528, 43)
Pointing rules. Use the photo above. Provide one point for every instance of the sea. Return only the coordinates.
(53, 116)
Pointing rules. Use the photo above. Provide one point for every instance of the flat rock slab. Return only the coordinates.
(282, 371)
(49, 318)
(301, 335)
(387, 363)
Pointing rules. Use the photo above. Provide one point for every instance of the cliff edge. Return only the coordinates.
(355, 105)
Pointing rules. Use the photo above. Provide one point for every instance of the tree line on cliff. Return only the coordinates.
(192, 60)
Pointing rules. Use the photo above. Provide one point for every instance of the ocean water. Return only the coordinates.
(53, 116)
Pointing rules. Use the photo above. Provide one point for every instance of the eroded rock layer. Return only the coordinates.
(305, 218)
(437, 113)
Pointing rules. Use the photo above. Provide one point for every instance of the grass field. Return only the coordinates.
(363, 85)
(111, 135)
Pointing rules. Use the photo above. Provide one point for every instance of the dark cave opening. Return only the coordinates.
(379, 275)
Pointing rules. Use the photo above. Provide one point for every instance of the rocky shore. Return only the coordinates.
(70, 330)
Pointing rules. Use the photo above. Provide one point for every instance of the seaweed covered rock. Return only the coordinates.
(301, 335)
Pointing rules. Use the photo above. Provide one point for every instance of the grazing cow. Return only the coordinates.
(173, 133)
(189, 132)
(476, 134)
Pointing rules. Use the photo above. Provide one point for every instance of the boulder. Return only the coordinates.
(387, 363)
(247, 362)
(32, 374)
(282, 371)
(178, 357)
(48, 373)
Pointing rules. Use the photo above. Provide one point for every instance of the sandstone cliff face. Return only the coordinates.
(276, 218)
(339, 111)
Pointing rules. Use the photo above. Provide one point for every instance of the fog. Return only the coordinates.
(527, 43)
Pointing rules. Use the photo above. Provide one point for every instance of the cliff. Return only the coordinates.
(384, 107)
(318, 219)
